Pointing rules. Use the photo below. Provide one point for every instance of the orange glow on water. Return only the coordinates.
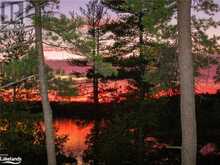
(76, 133)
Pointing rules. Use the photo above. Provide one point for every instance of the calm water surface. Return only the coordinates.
(77, 131)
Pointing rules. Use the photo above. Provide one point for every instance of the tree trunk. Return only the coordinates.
(14, 95)
(95, 90)
(188, 115)
(95, 36)
(141, 143)
(14, 99)
(48, 121)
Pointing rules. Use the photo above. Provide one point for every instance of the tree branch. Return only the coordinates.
(17, 82)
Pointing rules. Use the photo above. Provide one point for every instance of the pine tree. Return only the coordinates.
(38, 6)
(166, 33)
(144, 17)
(95, 14)
(17, 47)
(66, 33)
(48, 119)
(15, 41)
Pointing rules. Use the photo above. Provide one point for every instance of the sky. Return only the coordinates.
(65, 5)
(73, 5)
(69, 5)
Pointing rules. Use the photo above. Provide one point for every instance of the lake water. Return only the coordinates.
(77, 132)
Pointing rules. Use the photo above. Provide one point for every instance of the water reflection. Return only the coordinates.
(77, 131)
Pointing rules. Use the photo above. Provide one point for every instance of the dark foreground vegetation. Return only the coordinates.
(114, 137)
(156, 45)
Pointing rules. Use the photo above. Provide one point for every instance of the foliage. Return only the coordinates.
(116, 141)
(15, 41)
(65, 87)
(153, 11)
(17, 69)
(65, 32)
(160, 44)
(139, 50)
(22, 135)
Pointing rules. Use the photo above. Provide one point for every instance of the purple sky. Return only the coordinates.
(70, 5)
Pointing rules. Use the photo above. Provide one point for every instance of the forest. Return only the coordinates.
(110, 82)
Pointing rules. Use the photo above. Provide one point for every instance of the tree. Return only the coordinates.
(188, 114)
(48, 118)
(163, 50)
(21, 63)
(95, 16)
(134, 35)
(16, 41)
(144, 19)
(17, 73)
(65, 32)
(202, 44)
